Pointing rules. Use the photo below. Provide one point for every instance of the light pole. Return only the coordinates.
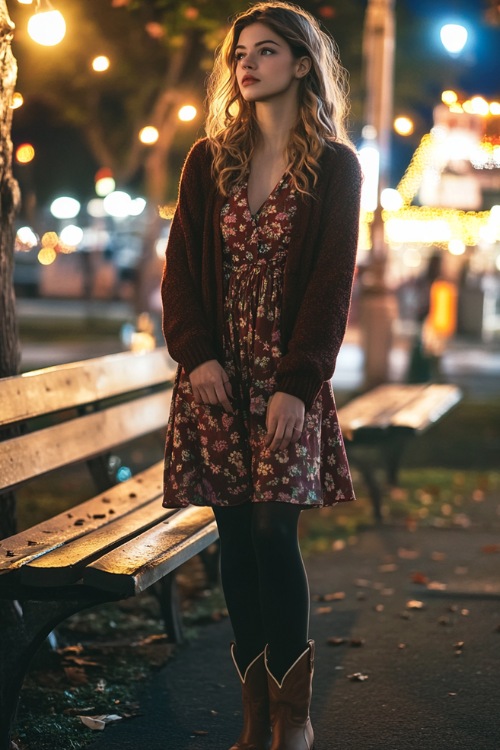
(378, 305)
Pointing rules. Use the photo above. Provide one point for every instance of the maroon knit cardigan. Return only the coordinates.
(318, 274)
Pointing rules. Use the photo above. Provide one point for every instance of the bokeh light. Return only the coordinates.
(454, 37)
(117, 204)
(391, 200)
(25, 153)
(17, 100)
(25, 239)
(46, 256)
(148, 135)
(187, 113)
(449, 97)
(100, 63)
(47, 28)
(71, 235)
(403, 125)
(65, 208)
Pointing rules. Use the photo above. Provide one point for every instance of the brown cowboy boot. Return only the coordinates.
(256, 732)
(290, 702)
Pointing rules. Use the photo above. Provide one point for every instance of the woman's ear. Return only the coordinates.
(303, 67)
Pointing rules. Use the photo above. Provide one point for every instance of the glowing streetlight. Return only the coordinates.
(187, 113)
(391, 200)
(100, 63)
(449, 97)
(71, 235)
(104, 182)
(47, 26)
(17, 100)
(149, 135)
(117, 204)
(454, 37)
(65, 208)
(25, 153)
(403, 126)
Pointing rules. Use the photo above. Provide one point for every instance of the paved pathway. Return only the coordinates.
(424, 691)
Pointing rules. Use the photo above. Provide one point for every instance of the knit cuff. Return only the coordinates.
(195, 354)
(303, 386)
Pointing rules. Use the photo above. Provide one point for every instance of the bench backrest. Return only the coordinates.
(91, 407)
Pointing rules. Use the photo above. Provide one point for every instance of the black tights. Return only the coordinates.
(264, 581)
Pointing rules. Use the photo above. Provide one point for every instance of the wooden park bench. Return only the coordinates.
(110, 547)
(379, 424)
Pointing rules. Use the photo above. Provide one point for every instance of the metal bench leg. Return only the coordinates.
(168, 597)
(25, 625)
(368, 473)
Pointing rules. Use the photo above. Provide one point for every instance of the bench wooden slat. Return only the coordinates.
(134, 566)
(22, 548)
(67, 386)
(39, 452)
(376, 408)
(431, 404)
(64, 565)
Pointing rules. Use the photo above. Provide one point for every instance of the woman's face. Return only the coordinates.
(265, 65)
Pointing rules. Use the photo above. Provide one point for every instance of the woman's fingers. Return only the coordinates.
(210, 385)
(222, 397)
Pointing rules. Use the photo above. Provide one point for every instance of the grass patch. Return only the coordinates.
(437, 497)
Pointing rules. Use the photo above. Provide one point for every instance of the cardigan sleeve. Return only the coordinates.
(184, 325)
(322, 315)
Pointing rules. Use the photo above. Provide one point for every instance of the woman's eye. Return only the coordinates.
(266, 50)
(238, 56)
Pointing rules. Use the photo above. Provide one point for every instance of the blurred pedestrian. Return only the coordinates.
(256, 293)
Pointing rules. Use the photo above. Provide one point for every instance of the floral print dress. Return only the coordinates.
(216, 458)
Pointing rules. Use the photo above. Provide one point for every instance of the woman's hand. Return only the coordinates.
(284, 420)
(210, 384)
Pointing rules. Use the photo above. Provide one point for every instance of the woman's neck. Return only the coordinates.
(275, 120)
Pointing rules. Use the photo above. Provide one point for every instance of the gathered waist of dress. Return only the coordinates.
(277, 260)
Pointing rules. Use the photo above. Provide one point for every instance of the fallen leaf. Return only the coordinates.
(460, 570)
(402, 645)
(337, 596)
(387, 592)
(408, 554)
(437, 586)
(452, 695)
(322, 610)
(414, 604)
(356, 642)
(444, 620)
(199, 732)
(155, 638)
(459, 645)
(357, 677)
(438, 556)
(387, 568)
(81, 661)
(362, 583)
(490, 549)
(76, 675)
(378, 607)
(334, 641)
(338, 545)
(419, 578)
(360, 596)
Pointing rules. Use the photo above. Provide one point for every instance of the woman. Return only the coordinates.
(256, 293)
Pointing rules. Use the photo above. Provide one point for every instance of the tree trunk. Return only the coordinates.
(9, 200)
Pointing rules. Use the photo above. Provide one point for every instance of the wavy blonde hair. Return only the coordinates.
(231, 125)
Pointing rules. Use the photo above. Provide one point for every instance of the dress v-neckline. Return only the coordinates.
(256, 214)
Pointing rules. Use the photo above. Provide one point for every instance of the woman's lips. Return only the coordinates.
(249, 80)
